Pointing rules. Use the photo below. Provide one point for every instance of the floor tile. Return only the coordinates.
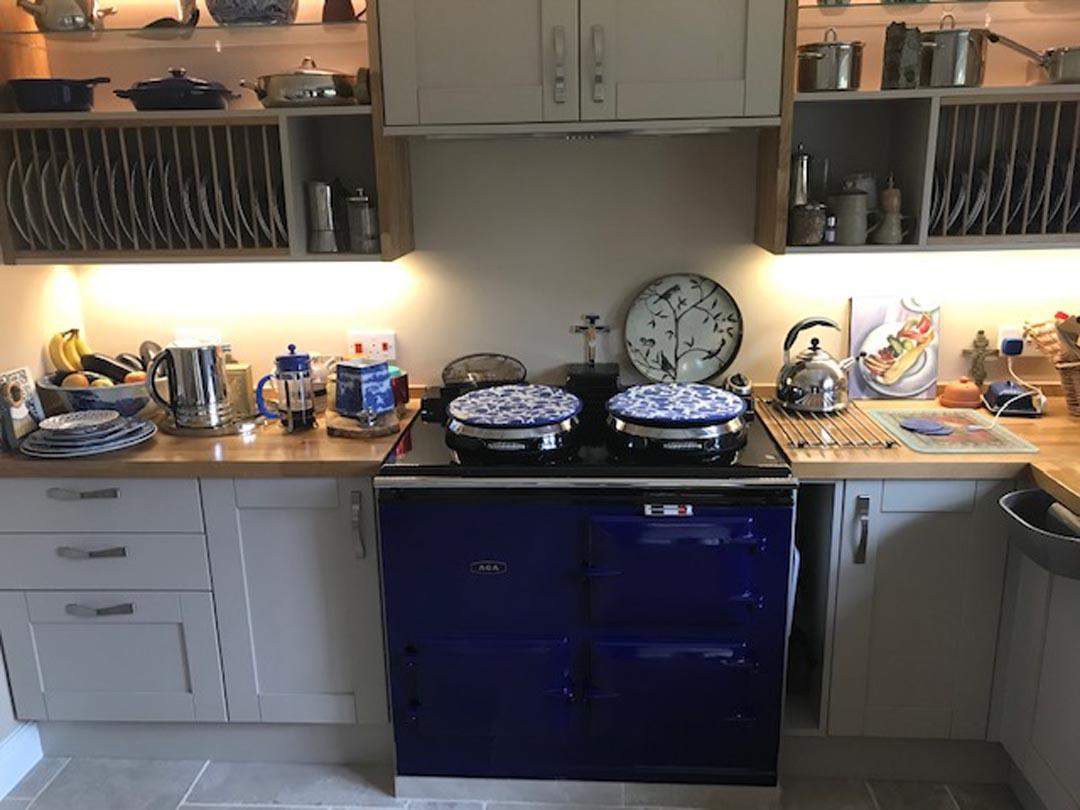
(538, 791)
(34, 782)
(825, 794)
(274, 784)
(911, 796)
(14, 804)
(119, 784)
(703, 797)
(984, 797)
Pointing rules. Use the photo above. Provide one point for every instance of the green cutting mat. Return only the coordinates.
(962, 440)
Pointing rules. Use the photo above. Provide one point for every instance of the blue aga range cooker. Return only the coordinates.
(594, 614)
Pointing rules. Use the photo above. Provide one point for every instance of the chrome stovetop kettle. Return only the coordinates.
(815, 381)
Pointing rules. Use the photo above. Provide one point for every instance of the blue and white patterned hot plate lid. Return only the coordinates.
(515, 406)
(676, 404)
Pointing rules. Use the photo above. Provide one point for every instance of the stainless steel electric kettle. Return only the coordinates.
(198, 393)
(815, 382)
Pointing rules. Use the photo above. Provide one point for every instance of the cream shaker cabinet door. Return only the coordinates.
(112, 656)
(920, 580)
(296, 579)
(680, 59)
(479, 61)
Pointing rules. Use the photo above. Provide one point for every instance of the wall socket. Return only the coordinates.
(373, 345)
(1009, 330)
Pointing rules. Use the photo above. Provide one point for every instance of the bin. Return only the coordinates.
(1045, 531)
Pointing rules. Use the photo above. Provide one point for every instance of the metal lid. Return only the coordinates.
(293, 361)
(309, 68)
(179, 80)
(671, 404)
(832, 40)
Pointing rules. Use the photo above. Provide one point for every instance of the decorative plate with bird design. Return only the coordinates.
(683, 328)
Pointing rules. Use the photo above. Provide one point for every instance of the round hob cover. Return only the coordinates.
(676, 404)
(515, 406)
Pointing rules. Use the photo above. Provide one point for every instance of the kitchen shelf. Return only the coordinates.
(202, 34)
(180, 117)
(1035, 92)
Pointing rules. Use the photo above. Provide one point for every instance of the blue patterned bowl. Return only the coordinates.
(127, 399)
(253, 12)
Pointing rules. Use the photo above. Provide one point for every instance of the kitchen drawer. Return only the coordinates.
(112, 656)
(174, 562)
(81, 505)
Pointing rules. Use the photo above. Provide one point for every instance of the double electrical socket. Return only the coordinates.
(373, 345)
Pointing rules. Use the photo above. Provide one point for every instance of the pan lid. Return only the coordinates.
(178, 79)
(832, 40)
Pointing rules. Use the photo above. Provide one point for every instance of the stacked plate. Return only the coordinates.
(86, 433)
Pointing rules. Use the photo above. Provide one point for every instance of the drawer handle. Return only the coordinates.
(863, 506)
(59, 494)
(84, 612)
(598, 92)
(560, 64)
(359, 547)
(69, 553)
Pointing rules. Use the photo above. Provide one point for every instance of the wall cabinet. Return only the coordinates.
(559, 61)
(1040, 704)
(920, 576)
(296, 579)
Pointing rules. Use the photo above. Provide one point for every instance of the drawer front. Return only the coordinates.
(102, 561)
(113, 656)
(99, 505)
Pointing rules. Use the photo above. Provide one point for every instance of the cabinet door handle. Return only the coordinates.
(863, 511)
(560, 64)
(70, 553)
(84, 612)
(59, 494)
(359, 547)
(598, 89)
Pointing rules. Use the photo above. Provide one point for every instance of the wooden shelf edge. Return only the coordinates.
(159, 117)
(688, 126)
(948, 95)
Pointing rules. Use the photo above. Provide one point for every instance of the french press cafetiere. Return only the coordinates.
(296, 392)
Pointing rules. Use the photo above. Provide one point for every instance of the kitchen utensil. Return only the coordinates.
(42, 444)
(962, 393)
(954, 57)
(119, 202)
(197, 384)
(814, 382)
(1060, 65)
(865, 182)
(69, 199)
(178, 91)
(484, 369)
(140, 209)
(890, 231)
(307, 86)
(364, 390)
(806, 224)
(800, 176)
(338, 11)
(155, 197)
(296, 395)
(830, 65)
(57, 15)
(320, 208)
(128, 398)
(253, 12)
(851, 207)
(49, 181)
(81, 422)
(55, 95)
(363, 222)
(165, 28)
(33, 204)
(683, 328)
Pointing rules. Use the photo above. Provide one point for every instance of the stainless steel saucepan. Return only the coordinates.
(310, 86)
(1061, 65)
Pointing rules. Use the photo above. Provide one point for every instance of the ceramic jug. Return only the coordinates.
(851, 208)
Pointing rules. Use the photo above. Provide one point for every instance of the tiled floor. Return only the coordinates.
(117, 784)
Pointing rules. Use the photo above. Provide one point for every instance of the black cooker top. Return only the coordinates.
(422, 450)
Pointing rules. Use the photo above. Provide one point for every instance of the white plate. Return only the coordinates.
(683, 328)
(155, 188)
(84, 206)
(151, 430)
(140, 212)
(80, 420)
(918, 379)
(31, 194)
(16, 209)
(277, 211)
(49, 181)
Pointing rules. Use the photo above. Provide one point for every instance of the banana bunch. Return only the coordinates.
(66, 350)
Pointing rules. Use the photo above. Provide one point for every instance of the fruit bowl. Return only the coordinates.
(128, 399)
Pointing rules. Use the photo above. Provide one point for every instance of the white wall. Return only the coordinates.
(518, 238)
(35, 302)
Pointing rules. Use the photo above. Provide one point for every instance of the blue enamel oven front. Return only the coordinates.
(587, 634)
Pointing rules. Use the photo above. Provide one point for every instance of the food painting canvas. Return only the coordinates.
(896, 340)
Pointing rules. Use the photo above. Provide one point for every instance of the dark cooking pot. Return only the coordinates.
(178, 91)
(55, 95)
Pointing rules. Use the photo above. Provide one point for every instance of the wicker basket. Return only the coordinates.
(1070, 382)
(1046, 339)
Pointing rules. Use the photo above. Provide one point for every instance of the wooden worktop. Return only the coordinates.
(269, 452)
(1056, 468)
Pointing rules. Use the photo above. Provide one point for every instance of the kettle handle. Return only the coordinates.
(151, 380)
(260, 400)
(803, 325)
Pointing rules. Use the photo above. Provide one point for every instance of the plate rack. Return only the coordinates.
(143, 191)
(1007, 170)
